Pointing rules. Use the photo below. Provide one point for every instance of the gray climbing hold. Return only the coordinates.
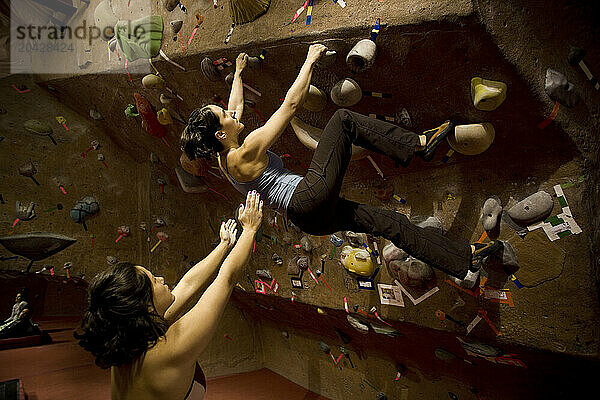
(490, 213)
(409, 270)
(306, 244)
(356, 324)
(84, 207)
(430, 222)
(520, 230)
(385, 330)
(355, 239)
(176, 26)
(277, 259)
(229, 80)
(444, 355)
(327, 59)
(362, 56)
(302, 263)
(95, 114)
(509, 258)
(346, 93)
(402, 117)
(324, 347)
(209, 70)
(254, 62)
(292, 266)
(391, 252)
(36, 246)
(482, 349)
(559, 89)
(534, 208)
(190, 183)
(412, 272)
(111, 260)
(264, 274)
(25, 213)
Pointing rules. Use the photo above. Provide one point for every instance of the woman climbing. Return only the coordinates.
(312, 202)
(151, 336)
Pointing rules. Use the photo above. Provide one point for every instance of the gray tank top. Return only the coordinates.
(275, 185)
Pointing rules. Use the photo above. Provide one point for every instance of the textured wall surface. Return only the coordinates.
(128, 194)
(427, 53)
(292, 332)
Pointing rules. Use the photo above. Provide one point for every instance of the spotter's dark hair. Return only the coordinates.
(121, 322)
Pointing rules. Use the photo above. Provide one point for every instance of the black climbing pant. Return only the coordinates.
(317, 209)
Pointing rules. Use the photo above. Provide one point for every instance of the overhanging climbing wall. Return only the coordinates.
(427, 54)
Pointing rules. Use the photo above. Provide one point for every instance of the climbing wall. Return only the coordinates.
(526, 324)
(128, 195)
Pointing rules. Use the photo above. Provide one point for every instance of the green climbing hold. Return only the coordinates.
(131, 111)
(140, 38)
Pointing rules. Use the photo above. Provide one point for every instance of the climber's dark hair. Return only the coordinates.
(198, 138)
(121, 322)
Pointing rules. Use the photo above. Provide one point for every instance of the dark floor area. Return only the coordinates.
(64, 371)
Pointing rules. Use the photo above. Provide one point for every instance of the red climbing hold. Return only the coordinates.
(150, 122)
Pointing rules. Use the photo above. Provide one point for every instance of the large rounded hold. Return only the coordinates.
(346, 93)
(487, 95)
(362, 56)
(36, 245)
(152, 81)
(411, 272)
(309, 136)
(315, 99)
(357, 261)
(534, 208)
(243, 11)
(407, 269)
(472, 139)
(391, 252)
